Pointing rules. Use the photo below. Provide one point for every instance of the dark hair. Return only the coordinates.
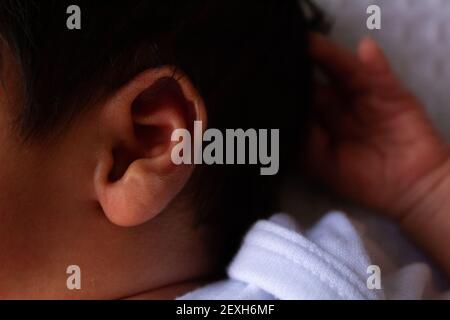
(249, 59)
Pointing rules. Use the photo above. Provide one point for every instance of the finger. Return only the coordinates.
(321, 155)
(342, 65)
(334, 113)
(328, 106)
(331, 56)
(328, 97)
(384, 82)
(373, 57)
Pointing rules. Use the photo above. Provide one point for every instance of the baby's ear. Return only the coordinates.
(135, 178)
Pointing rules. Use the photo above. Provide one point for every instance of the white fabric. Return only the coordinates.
(328, 261)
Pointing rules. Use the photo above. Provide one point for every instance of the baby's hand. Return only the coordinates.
(371, 139)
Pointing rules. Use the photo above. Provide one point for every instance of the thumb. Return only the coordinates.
(384, 82)
(371, 55)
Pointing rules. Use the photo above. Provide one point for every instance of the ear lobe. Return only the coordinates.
(135, 177)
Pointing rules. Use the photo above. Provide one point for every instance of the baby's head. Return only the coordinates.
(86, 120)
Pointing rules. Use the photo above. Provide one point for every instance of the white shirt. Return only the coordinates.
(328, 261)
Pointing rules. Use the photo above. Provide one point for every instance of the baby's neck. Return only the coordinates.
(161, 260)
(172, 292)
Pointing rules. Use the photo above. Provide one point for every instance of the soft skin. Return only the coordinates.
(372, 142)
(103, 195)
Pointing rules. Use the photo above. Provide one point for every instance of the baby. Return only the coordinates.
(87, 177)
